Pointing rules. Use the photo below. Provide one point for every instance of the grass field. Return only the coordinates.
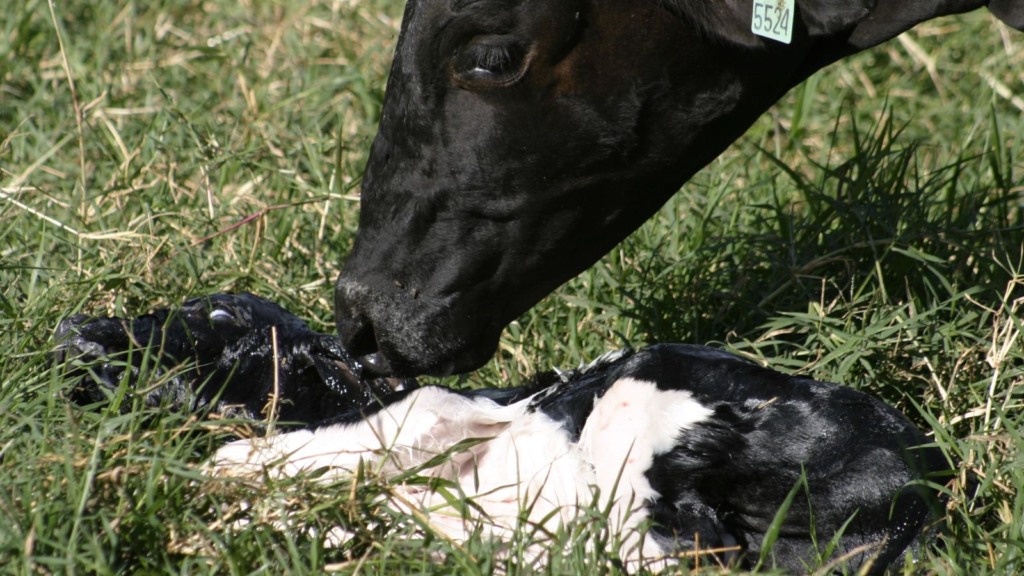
(868, 230)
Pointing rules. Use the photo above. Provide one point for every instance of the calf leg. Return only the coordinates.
(406, 434)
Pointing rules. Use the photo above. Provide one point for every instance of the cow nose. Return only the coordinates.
(357, 334)
(360, 340)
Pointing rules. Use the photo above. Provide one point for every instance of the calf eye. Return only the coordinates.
(221, 315)
(489, 60)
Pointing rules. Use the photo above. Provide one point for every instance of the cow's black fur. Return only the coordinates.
(520, 140)
(226, 352)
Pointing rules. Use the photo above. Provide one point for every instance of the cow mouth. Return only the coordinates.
(381, 355)
(399, 335)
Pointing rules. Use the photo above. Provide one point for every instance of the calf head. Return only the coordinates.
(520, 140)
(232, 353)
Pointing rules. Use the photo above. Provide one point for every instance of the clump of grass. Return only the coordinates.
(868, 230)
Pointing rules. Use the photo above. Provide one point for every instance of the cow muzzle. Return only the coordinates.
(395, 335)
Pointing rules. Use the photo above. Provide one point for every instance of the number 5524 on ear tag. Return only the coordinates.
(773, 19)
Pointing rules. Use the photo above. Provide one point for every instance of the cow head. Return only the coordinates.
(226, 352)
(520, 140)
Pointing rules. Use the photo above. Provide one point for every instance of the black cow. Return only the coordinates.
(520, 140)
(236, 354)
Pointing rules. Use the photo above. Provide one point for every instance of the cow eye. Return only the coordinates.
(489, 60)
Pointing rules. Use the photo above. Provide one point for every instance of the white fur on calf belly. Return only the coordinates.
(528, 462)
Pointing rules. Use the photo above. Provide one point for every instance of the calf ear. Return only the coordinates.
(1009, 11)
(827, 17)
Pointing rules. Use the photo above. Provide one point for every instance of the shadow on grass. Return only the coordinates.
(876, 230)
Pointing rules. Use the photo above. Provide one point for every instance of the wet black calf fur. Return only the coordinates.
(227, 353)
(520, 140)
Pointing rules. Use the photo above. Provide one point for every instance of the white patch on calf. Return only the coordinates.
(631, 424)
(525, 461)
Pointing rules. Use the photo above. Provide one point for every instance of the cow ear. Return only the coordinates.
(1009, 11)
(828, 17)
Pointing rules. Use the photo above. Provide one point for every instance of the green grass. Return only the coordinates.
(868, 230)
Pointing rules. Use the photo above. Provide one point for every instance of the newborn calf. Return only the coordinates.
(237, 354)
(705, 445)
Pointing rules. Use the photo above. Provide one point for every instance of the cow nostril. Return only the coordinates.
(360, 340)
(358, 336)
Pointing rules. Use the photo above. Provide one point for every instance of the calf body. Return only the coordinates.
(703, 444)
(520, 140)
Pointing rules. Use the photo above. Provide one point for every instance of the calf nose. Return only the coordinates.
(70, 343)
(68, 326)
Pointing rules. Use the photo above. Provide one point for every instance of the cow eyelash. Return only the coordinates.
(490, 62)
(495, 60)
